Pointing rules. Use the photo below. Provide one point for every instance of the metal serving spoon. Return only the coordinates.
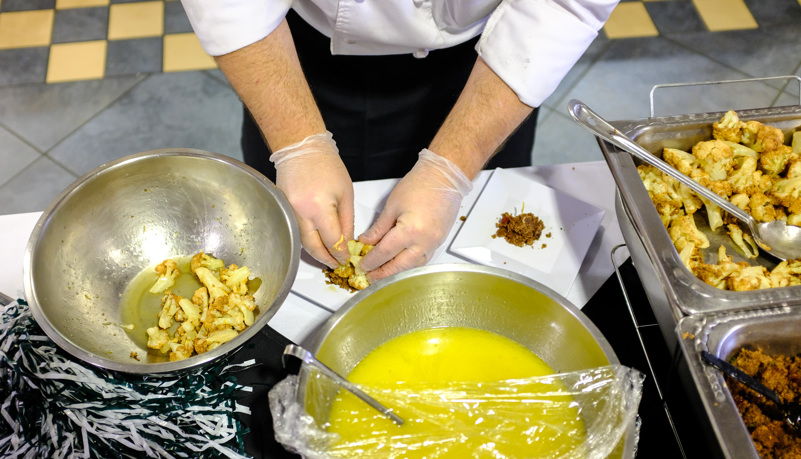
(307, 357)
(775, 238)
(790, 411)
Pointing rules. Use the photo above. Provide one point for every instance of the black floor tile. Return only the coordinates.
(175, 20)
(675, 17)
(768, 13)
(80, 24)
(138, 55)
(26, 5)
(24, 65)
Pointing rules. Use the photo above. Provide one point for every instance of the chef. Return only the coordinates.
(429, 91)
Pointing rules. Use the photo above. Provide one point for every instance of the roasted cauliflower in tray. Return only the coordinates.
(751, 165)
(215, 314)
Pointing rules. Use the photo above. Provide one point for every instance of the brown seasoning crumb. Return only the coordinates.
(519, 230)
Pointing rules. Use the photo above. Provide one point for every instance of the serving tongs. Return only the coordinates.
(775, 238)
(789, 411)
(296, 351)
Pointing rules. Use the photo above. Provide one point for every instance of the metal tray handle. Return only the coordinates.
(702, 83)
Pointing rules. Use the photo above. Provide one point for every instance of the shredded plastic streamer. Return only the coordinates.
(583, 414)
(54, 407)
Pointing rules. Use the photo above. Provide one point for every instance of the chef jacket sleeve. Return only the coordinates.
(531, 45)
(223, 26)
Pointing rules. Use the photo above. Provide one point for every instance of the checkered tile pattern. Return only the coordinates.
(68, 40)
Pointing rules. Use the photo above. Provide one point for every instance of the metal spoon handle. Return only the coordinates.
(600, 127)
(307, 357)
(739, 375)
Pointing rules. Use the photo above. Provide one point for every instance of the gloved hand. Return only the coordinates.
(417, 217)
(318, 187)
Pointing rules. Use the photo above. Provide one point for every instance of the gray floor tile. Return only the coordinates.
(43, 114)
(619, 84)
(219, 75)
(26, 65)
(140, 55)
(767, 51)
(15, 155)
(26, 5)
(175, 20)
(560, 140)
(169, 110)
(80, 24)
(34, 188)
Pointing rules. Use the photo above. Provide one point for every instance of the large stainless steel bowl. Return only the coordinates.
(482, 297)
(133, 213)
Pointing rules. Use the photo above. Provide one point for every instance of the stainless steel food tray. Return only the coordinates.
(774, 330)
(671, 288)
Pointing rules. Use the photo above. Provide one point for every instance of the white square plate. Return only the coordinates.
(572, 225)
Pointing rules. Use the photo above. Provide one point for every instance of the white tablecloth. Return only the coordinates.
(298, 318)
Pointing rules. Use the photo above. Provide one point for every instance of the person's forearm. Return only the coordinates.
(485, 114)
(268, 78)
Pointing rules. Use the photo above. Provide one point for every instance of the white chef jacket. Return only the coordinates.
(529, 44)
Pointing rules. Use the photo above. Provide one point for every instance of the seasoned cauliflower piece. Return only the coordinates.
(168, 271)
(786, 273)
(190, 312)
(788, 192)
(761, 137)
(207, 261)
(761, 208)
(743, 240)
(729, 127)
(683, 161)
(749, 278)
(683, 231)
(157, 337)
(213, 340)
(246, 304)
(715, 158)
(169, 307)
(236, 278)
(775, 161)
(214, 286)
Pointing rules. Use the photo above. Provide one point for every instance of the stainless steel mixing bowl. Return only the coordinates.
(442, 295)
(131, 214)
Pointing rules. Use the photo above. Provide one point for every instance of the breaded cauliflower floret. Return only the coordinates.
(743, 240)
(214, 339)
(214, 286)
(729, 127)
(741, 151)
(749, 278)
(774, 162)
(236, 278)
(190, 312)
(681, 160)
(169, 307)
(788, 193)
(683, 231)
(715, 158)
(786, 273)
(246, 304)
(761, 137)
(168, 271)
(761, 208)
(207, 261)
(157, 338)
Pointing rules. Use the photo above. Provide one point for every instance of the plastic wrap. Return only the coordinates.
(582, 414)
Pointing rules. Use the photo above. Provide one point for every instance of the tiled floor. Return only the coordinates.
(83, 82)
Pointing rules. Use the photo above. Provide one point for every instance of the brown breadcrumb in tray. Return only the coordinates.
(772, 437)
(519, 230)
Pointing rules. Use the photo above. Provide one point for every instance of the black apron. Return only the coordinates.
(383, 110)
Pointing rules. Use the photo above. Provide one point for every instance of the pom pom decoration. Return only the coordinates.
(53, 406)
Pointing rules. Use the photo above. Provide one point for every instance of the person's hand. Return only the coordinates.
(318, 187)
(417, 217)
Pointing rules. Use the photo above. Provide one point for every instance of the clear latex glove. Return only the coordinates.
(318, 187)
(417, 217)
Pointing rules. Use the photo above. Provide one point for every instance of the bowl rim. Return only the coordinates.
(322, 332)
(161, 368)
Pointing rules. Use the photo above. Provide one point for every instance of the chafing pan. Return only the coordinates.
(774, 330)
(672, 289)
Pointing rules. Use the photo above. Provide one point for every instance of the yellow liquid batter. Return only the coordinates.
(433, 359)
